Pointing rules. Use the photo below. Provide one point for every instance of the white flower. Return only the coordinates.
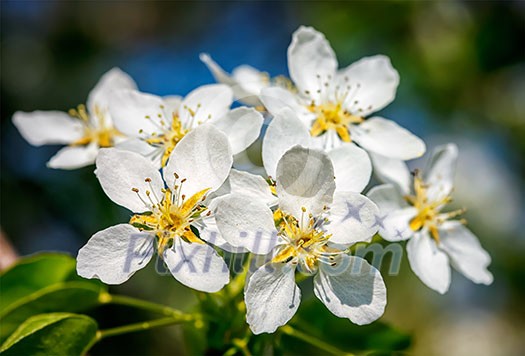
(158, 124)
(435, 241)
(351, 164)
(332, 104)
(311, 229)
(245, 81)
(166, 213)
(84, 130)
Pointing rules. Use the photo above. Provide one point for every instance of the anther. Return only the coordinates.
(136, 190)
(147, 180)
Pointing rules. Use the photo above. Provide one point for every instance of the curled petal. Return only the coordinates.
(305, 180)
(272, 297)
(428, 262)
(113, 255)
(197, 266)
(356, 292)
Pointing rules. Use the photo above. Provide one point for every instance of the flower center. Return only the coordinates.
(428, 212)
(169, 138)
(306, 242)
(99, 131)
(170, 216)
(332, 116)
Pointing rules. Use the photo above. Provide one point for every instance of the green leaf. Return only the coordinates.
(342, 333)
(59, 297)
(33, 273)
(52, 334)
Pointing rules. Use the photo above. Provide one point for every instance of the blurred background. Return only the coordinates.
(462, 68)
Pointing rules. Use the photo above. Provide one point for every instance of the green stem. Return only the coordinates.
(102, 334)
(107, 298)
(288, 330)
(242, 345)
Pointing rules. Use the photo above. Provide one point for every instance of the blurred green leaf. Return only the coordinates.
(64, 297)
(341, 333)
(52, 334)
(41, 284)
(33, 273)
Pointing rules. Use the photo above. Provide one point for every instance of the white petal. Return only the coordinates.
(352, 167)
(203, 157)
(394, 171)
(246, 223)
(310, 56)
(249, 185)
(114, 79)
(172, 105)
(356, 292)
(388, 139)
(395, 226)
(395, 214)
(305, 179)
(246, 82)
(352, 218)
(387, 198)
(272, 298)
(113, 255)
(121, 171)
(197, 266)
(138, 114)
(374, 82)
(138, 146)
(250, 79)
(284, 132)
(48, 127)
(440, 171)
(242, 126)
(206, 102)
(275, 99)
(428, 262)
(73, 157)
(465, 252)
(209, 232)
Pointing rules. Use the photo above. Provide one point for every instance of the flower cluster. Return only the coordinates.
(175, 164)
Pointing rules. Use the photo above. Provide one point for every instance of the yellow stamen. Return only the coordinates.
(332, 116)
(306, 242)
(169, 139)
(428, 212)
(100, 132)
(171, 218)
